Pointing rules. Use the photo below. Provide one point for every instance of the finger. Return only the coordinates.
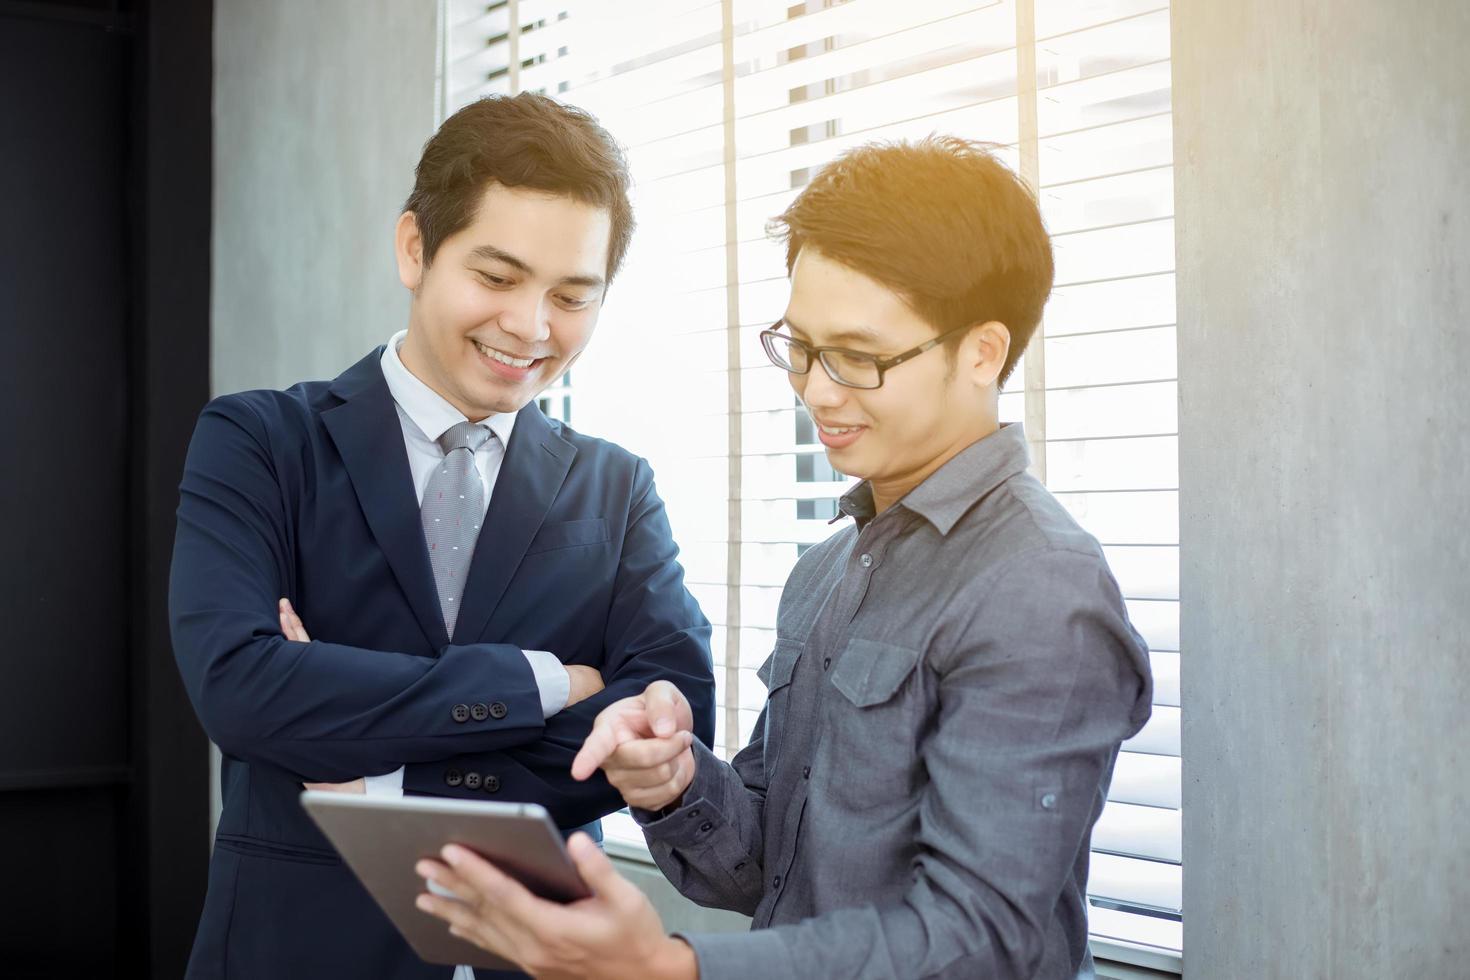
(298, 630)
(655, 779)
(493, 888)
(444, 877)
(649, 753)
(468, 916)
(451, 911)
(464, 923)
(288, 628)
(610, 730)
(663, 702)
(594, 867)
(662, 794)
(601, 742)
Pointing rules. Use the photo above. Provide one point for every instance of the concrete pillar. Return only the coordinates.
(1323, 203)
(321, 110)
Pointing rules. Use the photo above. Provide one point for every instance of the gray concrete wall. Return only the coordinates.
(1323, 202)
(321, 109)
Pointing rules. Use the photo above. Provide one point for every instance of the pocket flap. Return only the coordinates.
(776, 671)
(869, 672)
(568, 534)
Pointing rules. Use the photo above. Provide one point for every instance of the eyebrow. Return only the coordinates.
(851, 334)
(493, 254)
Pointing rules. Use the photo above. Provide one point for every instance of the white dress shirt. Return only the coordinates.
(425, 416)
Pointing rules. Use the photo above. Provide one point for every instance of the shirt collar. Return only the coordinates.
(953, 489)
(425, 407)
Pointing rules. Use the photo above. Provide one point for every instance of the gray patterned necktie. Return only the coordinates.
(454, 505)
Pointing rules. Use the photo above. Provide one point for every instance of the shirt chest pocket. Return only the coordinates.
(876, 715)
(776, 674)
(870, 673)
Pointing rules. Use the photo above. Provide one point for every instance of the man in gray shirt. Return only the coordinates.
(953, 672)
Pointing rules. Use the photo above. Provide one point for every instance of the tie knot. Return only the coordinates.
(465, 435)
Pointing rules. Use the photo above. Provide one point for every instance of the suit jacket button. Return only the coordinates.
(492, 784)
(471, 780)
(479, 712)
(498, 710)
(453, 777)
(460, 713)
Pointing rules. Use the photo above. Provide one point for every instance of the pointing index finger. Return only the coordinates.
(608, 732)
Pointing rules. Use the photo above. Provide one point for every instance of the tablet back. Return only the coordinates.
(381, 838)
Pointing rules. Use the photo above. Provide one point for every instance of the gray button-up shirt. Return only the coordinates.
(950, 684)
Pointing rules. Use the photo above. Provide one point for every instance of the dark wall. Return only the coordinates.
(104, 297)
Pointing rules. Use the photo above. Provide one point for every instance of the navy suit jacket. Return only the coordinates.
(307, 494)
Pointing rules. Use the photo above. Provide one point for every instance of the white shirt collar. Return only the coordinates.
(425, 407)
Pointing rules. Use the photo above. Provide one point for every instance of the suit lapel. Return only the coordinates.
(368, 435)
(531, 475)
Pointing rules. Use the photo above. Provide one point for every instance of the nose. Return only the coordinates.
(816, 388)
(525, 318)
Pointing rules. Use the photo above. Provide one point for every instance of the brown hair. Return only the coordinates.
(524, 140)
(941, 222)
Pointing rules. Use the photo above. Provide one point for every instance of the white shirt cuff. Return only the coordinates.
(388, 784)
(552, 679)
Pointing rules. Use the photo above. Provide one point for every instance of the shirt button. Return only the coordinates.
(776, 882)
(498, 710)
(706, 827)
(867, 561)
(492, 784)
(826, 662)
(1049, 801)
(806, 772)
(471, 780)
(460, 713)
(479, 712)
(453, 777)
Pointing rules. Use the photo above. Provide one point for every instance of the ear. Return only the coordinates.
(408, 248)
(984, 351)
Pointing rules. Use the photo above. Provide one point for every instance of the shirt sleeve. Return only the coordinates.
(552, 680)
(711, 845)
(388, 784)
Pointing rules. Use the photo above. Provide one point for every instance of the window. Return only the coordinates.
(726, 109)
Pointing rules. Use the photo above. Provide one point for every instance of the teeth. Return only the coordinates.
(837, 432)
(495, 355)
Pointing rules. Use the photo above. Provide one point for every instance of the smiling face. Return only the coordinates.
(508, 302)
(929, 408)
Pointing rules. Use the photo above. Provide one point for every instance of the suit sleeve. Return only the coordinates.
(320, 711)
(654, 631)
(1032, 710)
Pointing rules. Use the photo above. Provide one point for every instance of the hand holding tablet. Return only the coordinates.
(382, 839)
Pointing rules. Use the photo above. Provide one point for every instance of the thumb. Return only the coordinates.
(594, 866)
(663, 702)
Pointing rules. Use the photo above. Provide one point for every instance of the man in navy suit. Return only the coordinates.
(408, 579)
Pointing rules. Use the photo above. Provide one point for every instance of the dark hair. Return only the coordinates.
(523, 140)
(941, 222)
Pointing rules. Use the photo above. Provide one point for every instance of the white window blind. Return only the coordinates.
(726, 109)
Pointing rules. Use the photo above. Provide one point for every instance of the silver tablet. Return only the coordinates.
(381, 838)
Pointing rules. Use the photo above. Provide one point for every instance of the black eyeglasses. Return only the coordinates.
(850, 368)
